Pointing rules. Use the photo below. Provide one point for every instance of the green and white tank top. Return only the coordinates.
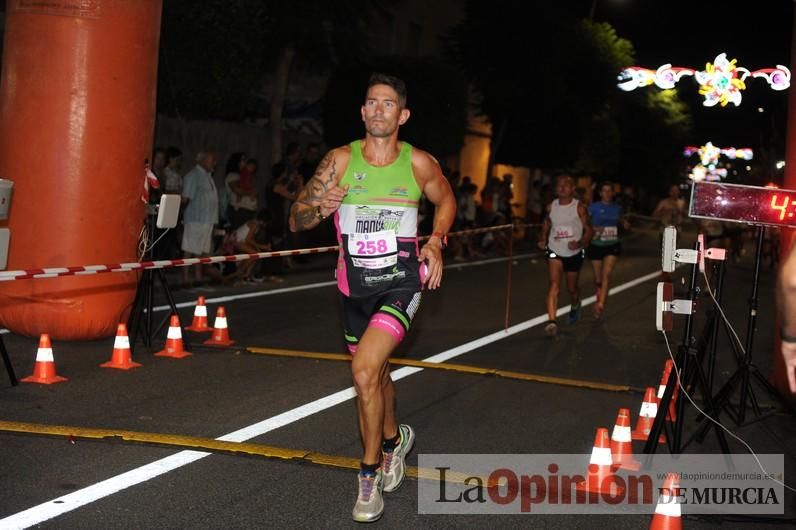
(377, 226)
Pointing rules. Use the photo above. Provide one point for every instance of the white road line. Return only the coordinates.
(67, 503)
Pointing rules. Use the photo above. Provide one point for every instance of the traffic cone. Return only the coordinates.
(622, 444)
(600, 470)
(668, 511)
(199, 323)
(121, 357)
(646, 416)
(44, 369)
(667, 370)
(220, 331)
(173, 341)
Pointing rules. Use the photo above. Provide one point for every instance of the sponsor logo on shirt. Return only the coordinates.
(399, 191)
(375, 220)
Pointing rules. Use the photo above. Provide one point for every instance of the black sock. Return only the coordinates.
(368, 469)
(390, 443)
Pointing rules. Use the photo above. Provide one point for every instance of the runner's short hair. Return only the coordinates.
(397, 84)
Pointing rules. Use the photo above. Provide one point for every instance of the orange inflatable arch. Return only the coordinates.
(77, 108)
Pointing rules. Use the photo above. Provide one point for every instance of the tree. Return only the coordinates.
(654, 127)
(539, 78)
(320, 33)
(211, 56)
(548, 85)
(222, 59)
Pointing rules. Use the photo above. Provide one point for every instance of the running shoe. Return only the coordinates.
(551, 329)
(370, 503)
(394, 462)
(574, 312)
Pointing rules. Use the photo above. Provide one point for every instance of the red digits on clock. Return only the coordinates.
(780, 207)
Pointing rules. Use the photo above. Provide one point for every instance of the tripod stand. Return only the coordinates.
(9, 367)
(141, 315)
(689, 359)
(746, 369)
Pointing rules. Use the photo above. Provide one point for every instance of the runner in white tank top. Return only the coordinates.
(566, 227)
(565, 234)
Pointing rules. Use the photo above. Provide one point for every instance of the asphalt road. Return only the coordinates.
(306, 404)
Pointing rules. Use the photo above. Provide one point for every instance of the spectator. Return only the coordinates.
(200, 202)
(244, 238)
(172, 178)
(287, 183)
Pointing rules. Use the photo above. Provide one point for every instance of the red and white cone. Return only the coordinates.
(121, 357)
(220, 330)
(199, 323)
(600, 470)
(646, 416)
(622, 443)
(174, 346)
(667, 370)
(667, 511)
(44, 369)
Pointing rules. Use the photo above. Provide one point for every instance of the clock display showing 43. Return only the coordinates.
(743, 204)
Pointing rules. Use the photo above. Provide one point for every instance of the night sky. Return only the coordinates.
(690, 33)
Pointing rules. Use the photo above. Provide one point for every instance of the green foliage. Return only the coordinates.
(437, 99)
(565, 76)
(559, 102)
(655, 127)
(216, 56)
(211, 56)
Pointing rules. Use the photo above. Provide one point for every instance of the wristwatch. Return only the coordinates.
(443, 238)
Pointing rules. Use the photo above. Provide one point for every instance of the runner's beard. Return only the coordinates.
(382, 130)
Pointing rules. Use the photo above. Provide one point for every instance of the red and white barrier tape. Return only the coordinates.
(472, 231)
(55, 272)
(142, 265)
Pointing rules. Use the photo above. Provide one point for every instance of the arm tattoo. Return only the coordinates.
(303, 212)
(304, 218)
(320, 183)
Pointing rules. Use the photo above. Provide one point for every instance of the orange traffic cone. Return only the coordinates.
(121, 358)
(646, 416)
(173, 341)
(199, 323)
(600, 471)
(668, 511)
(671, 415)
(622, 444)
(44, 369)
(220, 331)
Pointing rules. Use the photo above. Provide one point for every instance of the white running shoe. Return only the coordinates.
(394, 462)
(370, 503)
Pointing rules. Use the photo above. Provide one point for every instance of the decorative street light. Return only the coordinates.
(721, 82)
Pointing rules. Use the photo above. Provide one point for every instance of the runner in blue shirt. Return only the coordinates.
(606, 216)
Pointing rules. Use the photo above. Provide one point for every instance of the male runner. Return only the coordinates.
(373, 187)
(565, 233)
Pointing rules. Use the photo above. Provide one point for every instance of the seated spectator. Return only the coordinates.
(245, 241)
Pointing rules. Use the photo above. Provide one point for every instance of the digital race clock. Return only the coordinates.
(743, 204)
